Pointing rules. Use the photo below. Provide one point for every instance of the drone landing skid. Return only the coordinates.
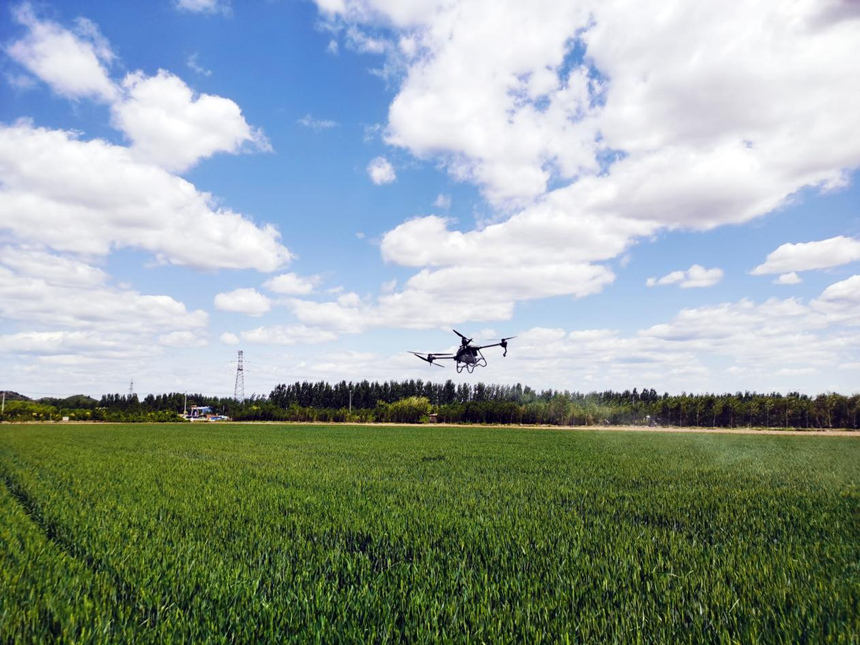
(470, 367)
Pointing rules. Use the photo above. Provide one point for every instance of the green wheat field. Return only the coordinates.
(236, 533)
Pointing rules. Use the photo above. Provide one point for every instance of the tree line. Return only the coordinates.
(413, 401)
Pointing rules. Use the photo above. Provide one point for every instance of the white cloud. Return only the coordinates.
(166, 122)
(204, 6)
(287, 335)
(50, 178)
(53, 269)
(381, 171)
(313, 123)
(229, 338)
(453, 295)
(724, 347)
(170, 126)
(364, 43)
(553, 230)
(67, 342)
(333, 48)
(35, 301)
(840, 302)
(292, 284)
(72, 63)
(695, 276)
(806, 256)
(183, 339)
(194, 64)
(243, 301)
(788, 278)
(605, 124)
(443, 202)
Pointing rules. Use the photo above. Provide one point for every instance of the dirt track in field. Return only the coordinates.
(812, 432)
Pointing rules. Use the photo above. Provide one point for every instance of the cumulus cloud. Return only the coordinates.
(170, 126)
(73, 63)
(840, 302)
(229, 338)
(292, 284)
(50, 178)
(36, 301)
(287, 335)
(58, 270)
(780, 344)
(695, 276)
(182, 339)
(806, 256)
(243, 301)
(63, 342)
(167, 123)
(593, 125)
(381, 171)
(788, 278)
(122, 196)
(448, 296)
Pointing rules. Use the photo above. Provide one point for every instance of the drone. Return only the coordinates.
(468, 356)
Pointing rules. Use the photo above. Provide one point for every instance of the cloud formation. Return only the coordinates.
(292, 284)
(73, 63)
(166, 122)
(244, 301)
(806, 256)
(695, 276)
(381, 171)
(171, 127)
(593, 125)
(51, 178)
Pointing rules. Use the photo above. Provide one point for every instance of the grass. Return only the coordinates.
(242, 533)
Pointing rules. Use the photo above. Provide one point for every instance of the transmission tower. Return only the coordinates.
(131, 389)
(239, 390)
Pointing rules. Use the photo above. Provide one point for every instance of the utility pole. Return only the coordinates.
(3, 408)
(350, 399)
(239, 389)
(185, 405)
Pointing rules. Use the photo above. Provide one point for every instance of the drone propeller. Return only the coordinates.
(429, 358)
(466, 341)
(503, 343)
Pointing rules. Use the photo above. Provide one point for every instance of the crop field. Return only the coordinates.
(230, 533)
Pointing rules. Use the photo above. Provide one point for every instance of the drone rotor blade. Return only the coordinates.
(429, 358)
(466, 341)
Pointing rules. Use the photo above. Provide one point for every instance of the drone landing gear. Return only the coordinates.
(470, 367)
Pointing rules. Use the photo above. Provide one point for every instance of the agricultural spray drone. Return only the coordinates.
(468, 356)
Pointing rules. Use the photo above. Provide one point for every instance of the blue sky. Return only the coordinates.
(653, 196)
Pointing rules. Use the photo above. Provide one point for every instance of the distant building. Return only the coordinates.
(204, 413)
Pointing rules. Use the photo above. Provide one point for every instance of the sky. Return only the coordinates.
(654, 194)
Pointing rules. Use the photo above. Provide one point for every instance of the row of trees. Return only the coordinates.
(415, 400)
(482, 403)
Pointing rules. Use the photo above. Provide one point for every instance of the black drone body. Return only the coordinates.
(468, 356)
